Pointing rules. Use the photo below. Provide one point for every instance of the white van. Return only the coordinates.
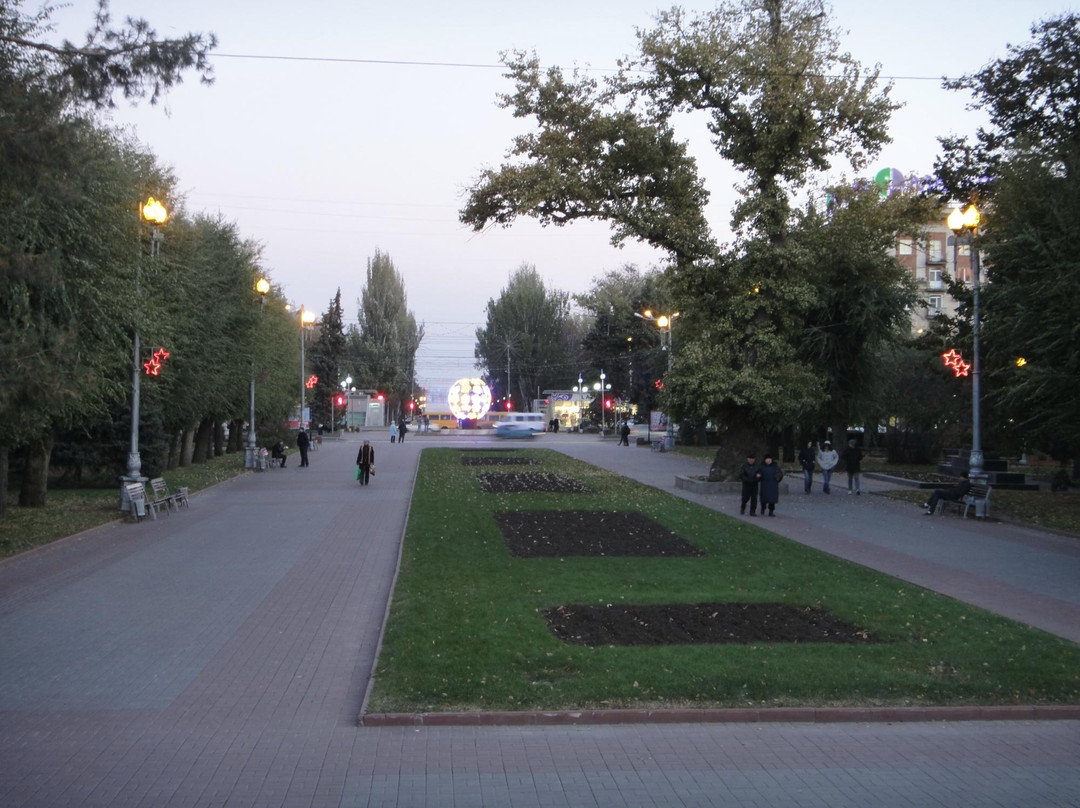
(533, 421)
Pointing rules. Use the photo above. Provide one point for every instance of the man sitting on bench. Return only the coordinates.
(954, 494)
(277, 452)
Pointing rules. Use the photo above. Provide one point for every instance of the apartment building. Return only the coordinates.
(929, 259)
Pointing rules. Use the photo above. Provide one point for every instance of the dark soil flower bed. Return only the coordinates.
(498, 461)
(531, 483)
(700, 623)
(557, 534)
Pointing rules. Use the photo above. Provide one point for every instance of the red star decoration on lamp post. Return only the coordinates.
(954, 360)
(153, 367)
(311, 382)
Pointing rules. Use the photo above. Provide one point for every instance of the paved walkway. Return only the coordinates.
(219, 657)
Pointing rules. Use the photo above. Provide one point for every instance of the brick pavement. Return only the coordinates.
(219, 656)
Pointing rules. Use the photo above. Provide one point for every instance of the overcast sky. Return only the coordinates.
(364, 130)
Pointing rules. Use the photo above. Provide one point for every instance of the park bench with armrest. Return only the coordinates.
(137, 505)
(162, 495)
(977, 497)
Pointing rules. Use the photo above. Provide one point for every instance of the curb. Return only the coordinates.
(794, 715)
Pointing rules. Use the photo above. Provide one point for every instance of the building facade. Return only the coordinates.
(932, 257)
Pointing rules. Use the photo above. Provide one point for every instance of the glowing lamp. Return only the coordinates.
(469, 399)
(262, 286)
(154, 212)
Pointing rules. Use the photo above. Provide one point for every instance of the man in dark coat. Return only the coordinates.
(750, 476)
(624, 434)
(365, 459)
(302, 443)
(953, 494)
(806, 461)
(852, 458)
(277, 451)
(771, 475)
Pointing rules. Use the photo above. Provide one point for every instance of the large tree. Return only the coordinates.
(384, 346)
(327, 357)
(626, 346)
(68, 193)
(782, 102)
(520, 348)
(1024, 172)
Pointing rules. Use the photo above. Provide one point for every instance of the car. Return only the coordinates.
(513, 430)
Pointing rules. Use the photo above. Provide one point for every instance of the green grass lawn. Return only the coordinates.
(71, 510)
(465, 630)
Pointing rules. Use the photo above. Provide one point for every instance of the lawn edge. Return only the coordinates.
(733, 715)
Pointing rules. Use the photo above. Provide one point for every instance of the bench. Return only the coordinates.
(137, 504)
(161, 494)
(171, 499)
(978, 497)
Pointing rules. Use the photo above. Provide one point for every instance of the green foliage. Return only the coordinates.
(782, 100)
(326, 356)
(1023, 171)
(465, 630)
(1033, 100)
(383, 348)
(758, 344)
(1033, 248)
(131, 60)
(627, 347)
(521, 347)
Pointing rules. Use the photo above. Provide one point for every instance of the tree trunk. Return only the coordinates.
(203, 435)
(219, 440)
(237, 436)
(4, 466)
(735, 442)
(35, 481)
(187, 447)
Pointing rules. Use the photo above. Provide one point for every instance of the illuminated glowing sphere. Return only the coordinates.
(469, 398)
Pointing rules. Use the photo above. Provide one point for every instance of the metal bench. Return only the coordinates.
(162, 495)
(978, 497)
(138, 506)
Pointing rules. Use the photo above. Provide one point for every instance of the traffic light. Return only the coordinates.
(339, 399)
(607, 403)
(412, 406)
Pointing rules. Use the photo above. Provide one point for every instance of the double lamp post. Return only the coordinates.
(965, 224)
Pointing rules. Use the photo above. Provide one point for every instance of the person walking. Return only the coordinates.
(365, 460)
(624, 434)
(771, 475)
(393, 431)
(852, 458)
(302, 443)
(953, 494)
(827, 458)
(402, 428)
(807, 455)
(750, 476)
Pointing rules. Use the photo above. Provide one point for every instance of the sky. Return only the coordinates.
(336, 128)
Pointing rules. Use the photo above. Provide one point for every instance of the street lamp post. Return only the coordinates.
(307, 318)
(262, 286)
(664, 323)
(153, 213)
(966, 223)
(603, 401)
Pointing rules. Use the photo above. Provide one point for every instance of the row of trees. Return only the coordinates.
(803, 320)
(81, 274)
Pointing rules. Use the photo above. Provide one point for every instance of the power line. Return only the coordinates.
(486, 66)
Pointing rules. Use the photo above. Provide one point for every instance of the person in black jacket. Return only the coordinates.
(771, 474)
(954, 494)
(302, 443)
(365, 459)
(807, 456)
(750, 476)
(852, 458)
